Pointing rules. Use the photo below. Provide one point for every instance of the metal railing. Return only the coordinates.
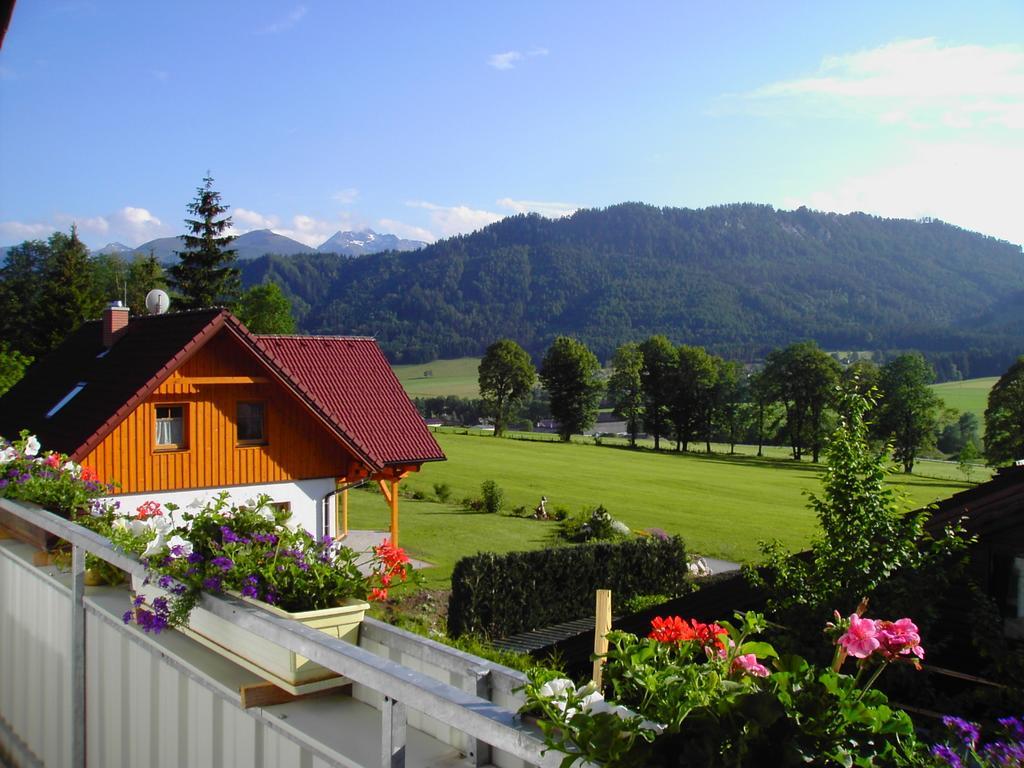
(487, 723)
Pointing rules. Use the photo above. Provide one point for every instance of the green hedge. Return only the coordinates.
(501, 595)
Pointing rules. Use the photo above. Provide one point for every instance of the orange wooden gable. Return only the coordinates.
(209, 385)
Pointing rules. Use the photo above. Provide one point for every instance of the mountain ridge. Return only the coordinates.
(739, 279)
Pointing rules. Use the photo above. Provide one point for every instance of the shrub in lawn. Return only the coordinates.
(560, 513)
(443, 491)
(500, 595)
(594, 524)
(520, 511)
(493, 496)
(475, 505)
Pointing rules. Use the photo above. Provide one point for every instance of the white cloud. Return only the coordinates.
(345, 196)
(14, 232)
(509, 59)
(548, 209)
(289, 21)
(915, 82)
(129, 225)
(408, 231)
(244, 220)
(506, 60)
(456, 219)
(972, 186)
(136, 225)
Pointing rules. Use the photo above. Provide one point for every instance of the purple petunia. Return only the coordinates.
(212, 583)
(224, 563)
(943, 752)
(195, 557)
(967, 731)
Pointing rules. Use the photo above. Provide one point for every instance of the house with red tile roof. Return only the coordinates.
(178, 406)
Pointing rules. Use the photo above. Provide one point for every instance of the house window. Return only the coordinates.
(170, 427)
(251, 423)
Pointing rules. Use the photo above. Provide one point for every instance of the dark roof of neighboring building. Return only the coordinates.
(987, 508)
(373, 417)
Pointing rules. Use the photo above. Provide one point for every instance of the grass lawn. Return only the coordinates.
(447, 377)
(721, 505)
(968, 396)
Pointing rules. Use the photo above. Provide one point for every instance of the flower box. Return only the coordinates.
(22, 530)
(285, 669)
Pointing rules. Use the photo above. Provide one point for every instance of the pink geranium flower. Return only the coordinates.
(860, 640)
(899, 639)
(748, 663)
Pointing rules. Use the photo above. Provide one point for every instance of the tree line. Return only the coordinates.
(685, 395)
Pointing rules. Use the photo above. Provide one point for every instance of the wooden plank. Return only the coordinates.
(202, 380)
(602, 625)
(268, 694)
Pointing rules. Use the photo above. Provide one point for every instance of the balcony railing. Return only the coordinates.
(78, 686)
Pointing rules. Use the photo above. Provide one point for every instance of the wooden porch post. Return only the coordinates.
(394, 513)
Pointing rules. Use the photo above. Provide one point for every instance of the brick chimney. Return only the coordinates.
(115, 323)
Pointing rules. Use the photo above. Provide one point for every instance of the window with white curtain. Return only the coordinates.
(170, 427)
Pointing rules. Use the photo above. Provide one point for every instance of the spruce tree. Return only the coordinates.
(206, 275)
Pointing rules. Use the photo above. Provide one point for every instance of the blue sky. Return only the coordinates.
(431, 119)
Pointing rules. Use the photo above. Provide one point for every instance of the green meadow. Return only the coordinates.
(440, 377)
(968, 396)
(721, 505)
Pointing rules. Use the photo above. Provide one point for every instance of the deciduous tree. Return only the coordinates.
(660, 359)
(693, 381)
(570, 373)
(625, 387)
(803, 378)
(1004, 417)
(265, 309)
(908, 412)
(205, 275)
(506, 376)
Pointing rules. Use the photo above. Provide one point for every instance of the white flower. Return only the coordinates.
(264, 510)
(32, 446)
(196, 503)
(133, 525)
(156, 546)
(9, 453)
(72, 468)
(179, 541)
(162, 524)
(557, 688)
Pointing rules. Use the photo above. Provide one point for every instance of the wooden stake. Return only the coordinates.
(602, 625)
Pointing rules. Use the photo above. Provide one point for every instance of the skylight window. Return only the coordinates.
(66, 399)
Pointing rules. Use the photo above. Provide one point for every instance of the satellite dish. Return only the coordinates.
(157, 302)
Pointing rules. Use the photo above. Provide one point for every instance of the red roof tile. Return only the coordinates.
(349, 379)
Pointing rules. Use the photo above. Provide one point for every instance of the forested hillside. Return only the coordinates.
(737, 279)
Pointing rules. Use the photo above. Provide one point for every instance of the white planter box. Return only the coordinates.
(285, 669)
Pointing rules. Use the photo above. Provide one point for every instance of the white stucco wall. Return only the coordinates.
(306, 498)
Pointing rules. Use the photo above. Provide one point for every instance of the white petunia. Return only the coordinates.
(162, 524)
(71, 468)
(32, 446)
(156, 546)
(9, 453)
(179, 541)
